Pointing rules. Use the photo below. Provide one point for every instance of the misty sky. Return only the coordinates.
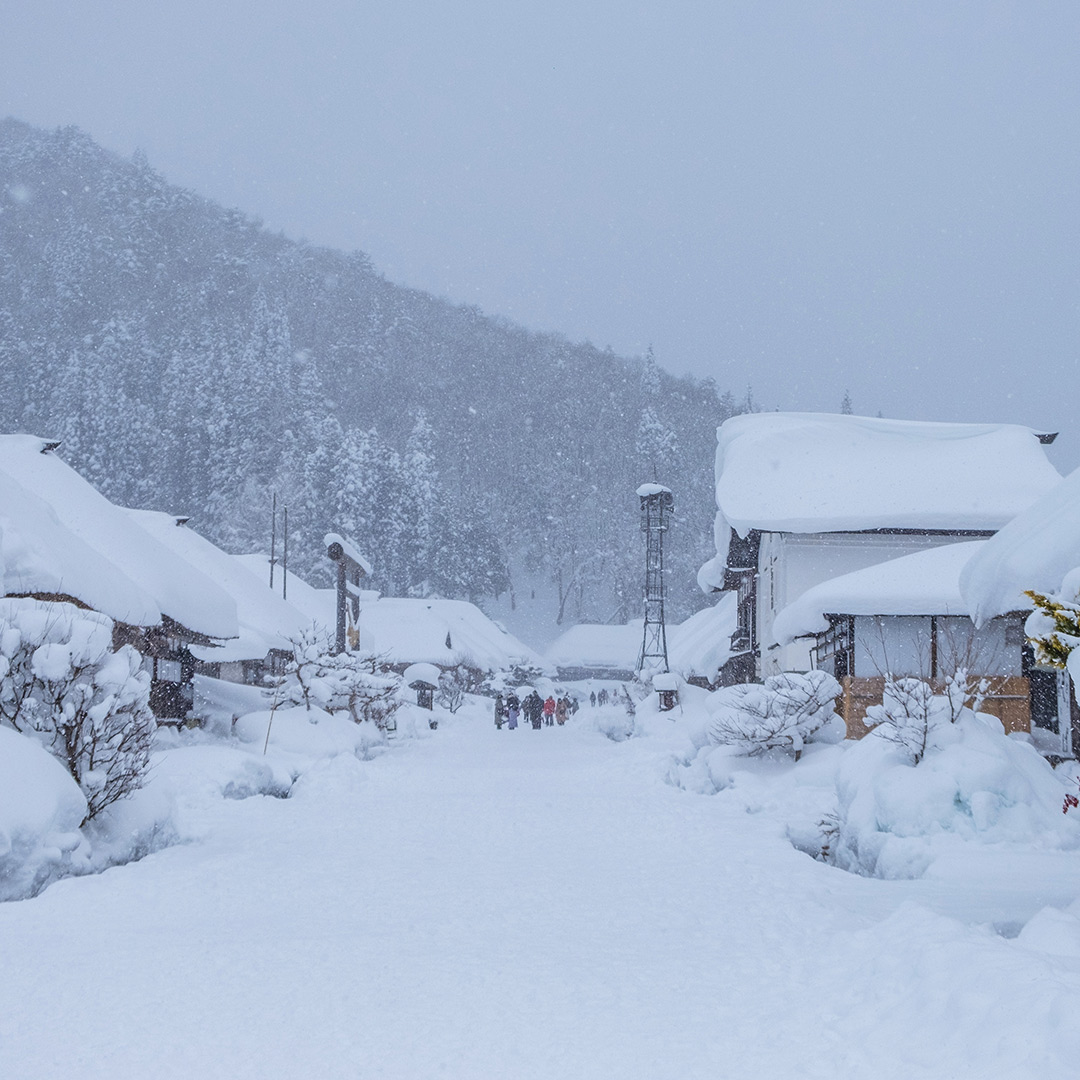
(801, 196)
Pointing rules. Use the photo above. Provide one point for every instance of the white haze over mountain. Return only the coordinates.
(804, 197)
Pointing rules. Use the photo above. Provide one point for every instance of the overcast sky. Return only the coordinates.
(802, 196)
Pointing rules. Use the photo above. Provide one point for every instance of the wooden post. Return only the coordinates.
(273, 534)
(342, 595)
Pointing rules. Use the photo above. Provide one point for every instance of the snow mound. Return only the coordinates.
(296, 730)
(41, 809)
(976, 785)
(1054, 932)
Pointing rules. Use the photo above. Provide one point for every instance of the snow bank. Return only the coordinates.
(41, 809)
(977, 785)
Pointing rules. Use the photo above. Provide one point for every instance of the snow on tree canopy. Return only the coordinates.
(266, 621)
(38, 555)
(1034, 551)
(177, 589)
(922, 583)
(814, 472)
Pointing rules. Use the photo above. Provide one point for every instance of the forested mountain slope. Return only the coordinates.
(193, 361)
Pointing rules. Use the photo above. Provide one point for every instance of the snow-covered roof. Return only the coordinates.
(702, 644)
(317, 606)
(421, 673)
(699, 646)
(922, 583)
(175, 587)
(597, 645)
(40, 555)
(1034, 551)
(407, 630)
(652, 489)
(265, 620)
(815, 472)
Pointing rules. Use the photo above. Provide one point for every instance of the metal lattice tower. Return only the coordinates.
(656, 504)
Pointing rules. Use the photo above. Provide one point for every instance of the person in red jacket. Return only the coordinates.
(549, 712)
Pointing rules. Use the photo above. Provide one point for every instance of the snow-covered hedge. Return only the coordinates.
(784, 713)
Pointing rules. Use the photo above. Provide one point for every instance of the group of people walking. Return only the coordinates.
(537, 711)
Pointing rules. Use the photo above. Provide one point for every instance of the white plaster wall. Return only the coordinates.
(790, 563)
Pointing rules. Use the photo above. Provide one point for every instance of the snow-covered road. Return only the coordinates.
(511, 905)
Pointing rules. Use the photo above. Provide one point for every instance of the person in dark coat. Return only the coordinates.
(500, 715)
(534, 709)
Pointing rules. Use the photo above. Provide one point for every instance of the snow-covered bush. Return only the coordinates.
(89, 706)
(1053, 628)
(783, 713)
(348, 682)
(910, 716)
(465, 677)
(975, 783)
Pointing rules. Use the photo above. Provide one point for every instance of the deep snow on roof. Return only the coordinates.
(817, 472)
(1034, 551)
(699, 646)
(702, 644)
(922, 583)
(406, 630)
(265, 620)
(177, 589)
(597, 645)
(40, 555)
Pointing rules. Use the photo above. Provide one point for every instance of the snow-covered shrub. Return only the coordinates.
(62, 683)
(1053, 628)
(465, 677)
(910, 716)
(348, 682)
(451, 693)
(300, 684)
(783, 713)
(974, 783)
